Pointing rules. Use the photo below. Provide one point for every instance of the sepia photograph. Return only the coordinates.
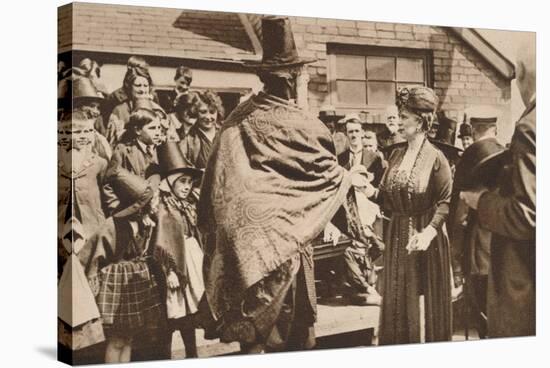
(234, 183)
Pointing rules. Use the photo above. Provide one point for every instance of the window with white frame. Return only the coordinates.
(369, 77)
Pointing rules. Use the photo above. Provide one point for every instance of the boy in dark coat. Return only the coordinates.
(137, 151)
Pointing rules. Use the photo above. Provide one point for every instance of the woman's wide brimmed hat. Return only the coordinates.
(133, 192)
(480, 164)
(279, 49)
(172, 161)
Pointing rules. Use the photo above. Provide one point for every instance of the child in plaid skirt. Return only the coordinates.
(121, 270)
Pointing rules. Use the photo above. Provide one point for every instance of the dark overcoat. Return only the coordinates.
(509, 213)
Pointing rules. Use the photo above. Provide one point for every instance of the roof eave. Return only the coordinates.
(487, 51)
(197, 61)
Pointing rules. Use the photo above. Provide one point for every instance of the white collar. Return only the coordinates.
(486, 137)
(360, 150)
(209, 135)
(135, 227)
(144, 147)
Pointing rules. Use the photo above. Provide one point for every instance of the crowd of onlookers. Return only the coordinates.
(129, 176)
(110, 141)
(129, 172)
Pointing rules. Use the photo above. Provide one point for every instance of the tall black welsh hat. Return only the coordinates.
(172, 161)
(279, 49)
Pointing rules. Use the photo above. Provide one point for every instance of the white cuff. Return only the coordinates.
(430, 231)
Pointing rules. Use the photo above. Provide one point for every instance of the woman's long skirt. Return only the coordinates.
(409, 276)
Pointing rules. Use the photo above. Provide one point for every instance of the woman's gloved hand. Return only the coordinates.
(422, 240)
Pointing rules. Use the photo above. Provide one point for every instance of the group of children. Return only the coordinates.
(127, 212)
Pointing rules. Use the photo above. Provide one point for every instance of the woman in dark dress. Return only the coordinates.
(416, 189)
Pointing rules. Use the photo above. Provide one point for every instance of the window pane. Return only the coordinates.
(350, 67)
(411, 70)
(381, 68)
(381, 93)
(351, 92)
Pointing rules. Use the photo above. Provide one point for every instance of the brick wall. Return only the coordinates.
(461, 77)
(64, 27)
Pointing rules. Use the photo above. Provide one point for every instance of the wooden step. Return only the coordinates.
(333, 318)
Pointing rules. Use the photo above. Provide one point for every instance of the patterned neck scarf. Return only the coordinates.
(184, 206)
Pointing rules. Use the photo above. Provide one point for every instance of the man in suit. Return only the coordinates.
(359, 269)
(356, 154)
(509, 213)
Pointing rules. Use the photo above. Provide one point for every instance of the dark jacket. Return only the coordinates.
(117, 122)
(371, 160)
(196, 147)
(509, 213)
(132, 157)
(471, 244)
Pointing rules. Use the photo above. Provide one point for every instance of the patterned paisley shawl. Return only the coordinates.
(271, 185)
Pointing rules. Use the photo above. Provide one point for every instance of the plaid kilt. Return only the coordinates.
(129, 298)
